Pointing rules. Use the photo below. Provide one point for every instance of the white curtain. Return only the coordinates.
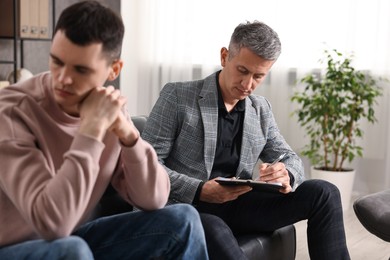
(179, 40)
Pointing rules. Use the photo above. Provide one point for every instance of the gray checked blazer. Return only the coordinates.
(182, 128)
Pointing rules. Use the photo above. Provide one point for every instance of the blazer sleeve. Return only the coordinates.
(276, 145)
(161, 130)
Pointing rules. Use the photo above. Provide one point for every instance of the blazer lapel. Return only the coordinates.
(208, 103)
(251, 128)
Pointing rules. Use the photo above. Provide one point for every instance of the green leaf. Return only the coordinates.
(330, 109)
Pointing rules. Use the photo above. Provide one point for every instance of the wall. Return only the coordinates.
(36, 53)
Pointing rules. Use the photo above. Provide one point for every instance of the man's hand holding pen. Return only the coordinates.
(276, 172)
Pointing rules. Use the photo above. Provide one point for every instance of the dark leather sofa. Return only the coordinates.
(277, 245)
(373, 211)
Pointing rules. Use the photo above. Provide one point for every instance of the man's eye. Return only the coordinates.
(81, 70)
(243, 71)
(56, 62)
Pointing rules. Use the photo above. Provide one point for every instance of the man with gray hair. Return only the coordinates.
(216, 127)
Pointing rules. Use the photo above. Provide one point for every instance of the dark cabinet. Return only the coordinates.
(25, 20)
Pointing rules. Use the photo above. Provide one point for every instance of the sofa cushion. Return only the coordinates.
(278, 245)
(373, 211)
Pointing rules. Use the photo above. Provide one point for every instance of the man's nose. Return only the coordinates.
(65, 77)
(247, 82)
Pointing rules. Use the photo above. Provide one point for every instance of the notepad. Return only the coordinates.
(256, 185)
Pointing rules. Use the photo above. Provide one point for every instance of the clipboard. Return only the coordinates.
(256, 185)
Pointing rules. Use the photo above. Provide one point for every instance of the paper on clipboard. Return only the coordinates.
(256, 185)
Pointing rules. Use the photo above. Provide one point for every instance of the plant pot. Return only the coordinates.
(343, 181)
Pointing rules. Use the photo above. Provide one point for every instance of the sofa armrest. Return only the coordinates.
(373, 211)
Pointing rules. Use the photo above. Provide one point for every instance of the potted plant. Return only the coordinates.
(330, 109)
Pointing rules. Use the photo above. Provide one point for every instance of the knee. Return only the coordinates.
(185, 217)
(323, 191)
(72, 247)
(212, 223)
(215, 228)
(184, 213)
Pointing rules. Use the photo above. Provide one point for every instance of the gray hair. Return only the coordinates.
(257, 37)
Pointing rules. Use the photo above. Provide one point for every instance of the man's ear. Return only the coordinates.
(224, 56)
(116, 68)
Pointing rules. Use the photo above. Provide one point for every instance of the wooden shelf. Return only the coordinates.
(20, 40)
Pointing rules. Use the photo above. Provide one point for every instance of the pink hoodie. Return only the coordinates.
(52, 177)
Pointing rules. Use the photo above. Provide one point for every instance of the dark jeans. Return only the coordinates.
(221, 243)
(174, 232)
(317, 201)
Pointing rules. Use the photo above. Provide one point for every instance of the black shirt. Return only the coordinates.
(229, 138)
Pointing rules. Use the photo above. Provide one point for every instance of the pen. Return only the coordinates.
(277, 159)
(274, 162)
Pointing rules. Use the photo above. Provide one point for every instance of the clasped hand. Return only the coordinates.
(101, 111)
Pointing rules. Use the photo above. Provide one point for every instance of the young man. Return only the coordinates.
(64, 139)
(216, 127)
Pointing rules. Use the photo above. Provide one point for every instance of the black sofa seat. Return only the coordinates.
(281, 244)
(373, 211)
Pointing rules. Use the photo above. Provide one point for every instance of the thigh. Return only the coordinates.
(139, 235)
(68, 248)
(221, 243)
(268, 211)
